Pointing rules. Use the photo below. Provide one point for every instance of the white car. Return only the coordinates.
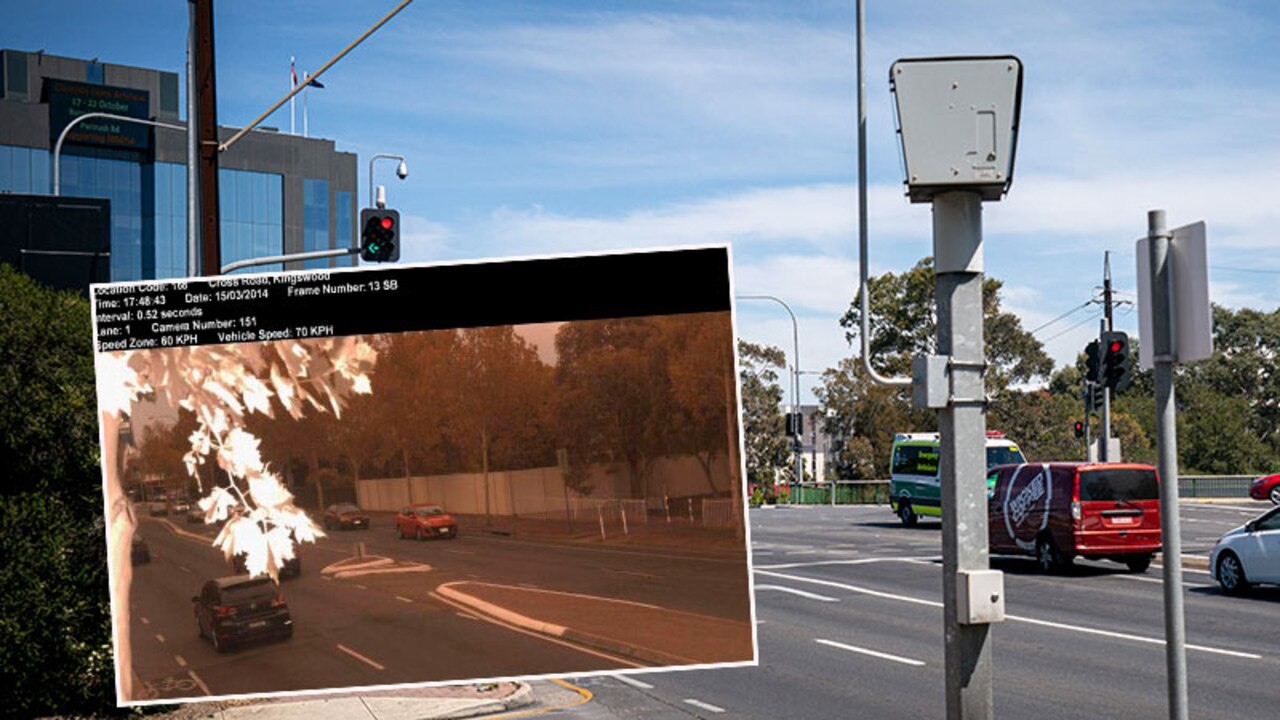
(1248, 554)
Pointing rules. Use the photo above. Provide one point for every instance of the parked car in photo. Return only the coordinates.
(140, 553)
(1063, 510)
(236, 609)
(177, 507)
(422, 520)
(195, 514)
(1248, 554)
(343, 516)
(1266, 487)
(158, 508)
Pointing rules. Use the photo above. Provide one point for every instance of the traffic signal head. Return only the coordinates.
(1093, 362)
(795, 424)
(379, 235)
(1079, 428)
(1117, 366)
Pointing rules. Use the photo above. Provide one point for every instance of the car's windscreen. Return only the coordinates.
(240, 594)
(916, 460)
(1119, 485)
(345, 508)
(424, 512)
(1004, 455)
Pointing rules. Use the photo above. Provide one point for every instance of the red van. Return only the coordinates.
(1058, 511)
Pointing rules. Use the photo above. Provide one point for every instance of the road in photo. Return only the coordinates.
(388, 625)
(850, 617)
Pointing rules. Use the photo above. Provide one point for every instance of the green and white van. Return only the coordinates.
(913, 472)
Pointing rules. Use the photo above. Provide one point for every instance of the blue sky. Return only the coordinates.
(535, 127)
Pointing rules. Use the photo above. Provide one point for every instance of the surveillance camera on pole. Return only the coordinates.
(958, 124)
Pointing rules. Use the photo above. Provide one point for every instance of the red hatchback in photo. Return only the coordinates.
(425, 521)
(1266, 487)
(1060, 511)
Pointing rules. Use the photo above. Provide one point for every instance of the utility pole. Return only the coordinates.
(1104, 453)
(207, 108)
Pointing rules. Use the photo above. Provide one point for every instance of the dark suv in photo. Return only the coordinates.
(236, 609)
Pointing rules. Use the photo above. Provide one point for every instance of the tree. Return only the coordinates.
(55, 620)
(699, 353)
(904, 324)
(767, 449)
(222, 384)
(614, 396)
(865, 416)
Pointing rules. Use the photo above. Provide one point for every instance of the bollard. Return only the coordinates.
(600, 516)
(690, 511)
(625, 531)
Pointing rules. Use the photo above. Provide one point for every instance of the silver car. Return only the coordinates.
(1248, 554)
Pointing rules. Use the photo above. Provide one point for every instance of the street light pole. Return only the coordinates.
(57, 147)
(402, 171)
(795, 382)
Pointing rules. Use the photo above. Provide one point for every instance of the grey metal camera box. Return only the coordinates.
(958, 123)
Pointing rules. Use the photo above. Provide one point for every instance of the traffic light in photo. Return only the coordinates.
(379, 235)
(1078, 428)
(1117, 366)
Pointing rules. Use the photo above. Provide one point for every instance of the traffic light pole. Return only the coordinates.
(1104, 452)
(957, 247)
(291, 257)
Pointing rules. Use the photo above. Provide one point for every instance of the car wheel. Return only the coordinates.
(417, 534)
(1231, 574)
(199, 628)
(399, 531)
(1048, 557)
(906, 514)
(1275, 495)
(1138, 563)
(218, 645)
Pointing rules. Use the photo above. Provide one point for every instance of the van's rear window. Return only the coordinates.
(1113, 485)
(1003, 455)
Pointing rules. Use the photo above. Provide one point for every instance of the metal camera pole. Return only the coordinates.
(962, 425)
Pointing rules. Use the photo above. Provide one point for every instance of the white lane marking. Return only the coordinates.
(184, 568)
(801, 593)
(529, 585)
(1015, 618)
(468, 616)
(159, 637)
(180, 660)
(637, 574)
(633, 683)
(705, 706)
(402, 598)
(460, 552)
(360, 586)
(1158, 581)
(924, 559)
(145, 621)
(763, 552)
(1127, 636)
(360, 657)
(872, 653)
(325, 577)
(199, 682)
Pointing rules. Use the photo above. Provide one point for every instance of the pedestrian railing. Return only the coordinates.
(722, 513)
(1223, 486)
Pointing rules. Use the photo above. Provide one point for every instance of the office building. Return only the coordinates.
(279, 193)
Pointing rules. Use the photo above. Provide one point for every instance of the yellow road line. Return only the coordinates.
(583, 692)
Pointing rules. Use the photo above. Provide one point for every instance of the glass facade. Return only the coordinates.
(315, 221)
(169, 221)
(119, 179)
(342, 236)
(251, 208)
(149, 208)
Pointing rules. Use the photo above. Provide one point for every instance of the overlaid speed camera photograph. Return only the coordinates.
(639, 359)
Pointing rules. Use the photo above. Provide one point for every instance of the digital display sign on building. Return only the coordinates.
(69, 100)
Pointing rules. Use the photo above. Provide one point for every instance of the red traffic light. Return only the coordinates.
(1115, 346)
(1079, 426)
(387, 223)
